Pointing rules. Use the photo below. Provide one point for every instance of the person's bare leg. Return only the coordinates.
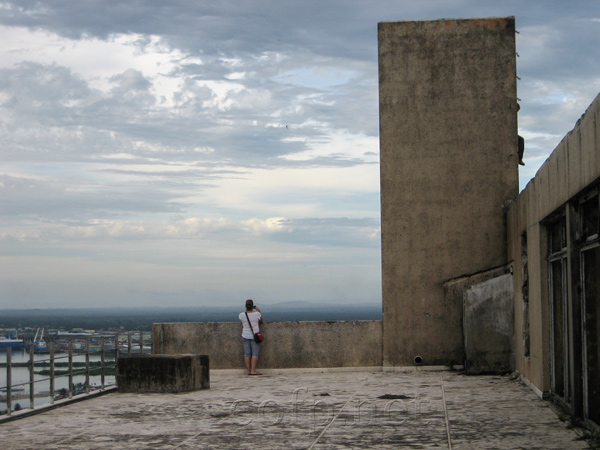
(247, 361)
(253, 363)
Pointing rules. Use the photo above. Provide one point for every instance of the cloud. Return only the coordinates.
(62, 111)
(349, 232)
(216, 149)
(26, 198)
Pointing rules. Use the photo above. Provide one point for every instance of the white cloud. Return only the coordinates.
(340, 144)
(95, 60)
(299, 192)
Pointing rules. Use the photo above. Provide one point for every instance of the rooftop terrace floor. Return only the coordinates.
(308, 409)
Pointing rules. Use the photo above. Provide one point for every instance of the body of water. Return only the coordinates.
(42, 382)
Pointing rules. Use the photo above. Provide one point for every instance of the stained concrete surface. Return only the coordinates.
(449, 163)
(293, 344)
(488, 326)
(309, 409)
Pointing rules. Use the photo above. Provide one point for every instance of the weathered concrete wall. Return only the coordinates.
(448, 136)
(287, 344)
(571, 168)
(488, 326)
(454, 291)
(163, 373)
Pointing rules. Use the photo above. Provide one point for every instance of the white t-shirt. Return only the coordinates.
(254, 317)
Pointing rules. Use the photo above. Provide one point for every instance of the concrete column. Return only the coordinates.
(448, 127)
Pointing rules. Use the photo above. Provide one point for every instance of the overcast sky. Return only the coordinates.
(201, 153)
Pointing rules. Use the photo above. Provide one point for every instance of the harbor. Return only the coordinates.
(78, 339)
(34, 373)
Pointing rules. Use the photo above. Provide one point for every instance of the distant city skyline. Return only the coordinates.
(188, 153)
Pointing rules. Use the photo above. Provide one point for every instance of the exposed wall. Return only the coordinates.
(448, 136)
(162, 373)
(488, 326)
(287, 344)
(493, 353)
(573, 166)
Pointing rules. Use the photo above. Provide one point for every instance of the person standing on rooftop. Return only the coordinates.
(250, 321)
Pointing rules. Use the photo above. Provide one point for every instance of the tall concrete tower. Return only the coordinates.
(448, 127)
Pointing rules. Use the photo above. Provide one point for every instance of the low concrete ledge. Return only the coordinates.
(163, 373)
(288, 345)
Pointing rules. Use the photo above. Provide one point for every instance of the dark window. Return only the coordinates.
(591, 298)
(559, 328)
(557, 243)
(589, 218)
(525, 291)
(558, 235)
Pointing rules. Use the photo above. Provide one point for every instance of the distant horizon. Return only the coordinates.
(298, 303)
(142, 318)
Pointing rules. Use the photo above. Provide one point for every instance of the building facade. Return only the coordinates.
(554, 244)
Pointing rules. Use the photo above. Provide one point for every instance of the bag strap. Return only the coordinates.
(248, 318)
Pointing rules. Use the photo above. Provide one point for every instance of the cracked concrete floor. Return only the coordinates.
(308, 409)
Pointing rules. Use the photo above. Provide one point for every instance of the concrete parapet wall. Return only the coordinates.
(572, 166)
(287, 344)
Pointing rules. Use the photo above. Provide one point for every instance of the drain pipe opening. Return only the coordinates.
(418, 360)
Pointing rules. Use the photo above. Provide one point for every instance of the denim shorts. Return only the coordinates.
(250, 347)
